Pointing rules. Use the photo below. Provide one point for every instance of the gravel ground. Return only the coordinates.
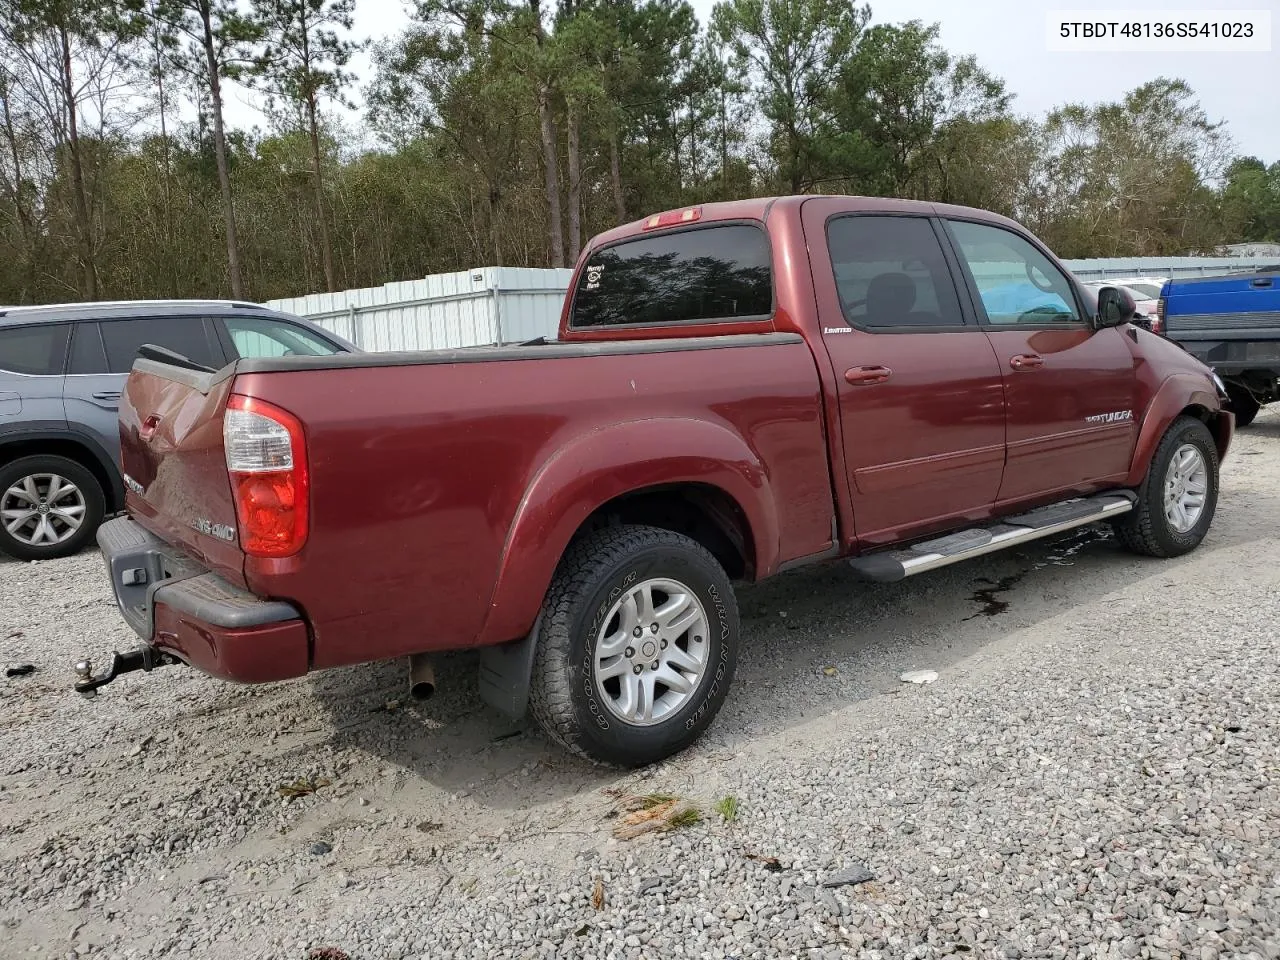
(1096, 772)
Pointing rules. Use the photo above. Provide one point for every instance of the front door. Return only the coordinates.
(1071, 391)
(920, 393)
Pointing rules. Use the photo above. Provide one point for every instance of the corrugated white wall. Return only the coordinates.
(513, 304)
(1104, 268)
(464, 309)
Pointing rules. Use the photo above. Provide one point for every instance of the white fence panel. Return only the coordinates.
(1105, 268)
(513, 304)
(445, 310)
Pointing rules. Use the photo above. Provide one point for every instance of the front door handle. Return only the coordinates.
(861, 376)
(1261, 282)
(1026, 361)
(107, 395)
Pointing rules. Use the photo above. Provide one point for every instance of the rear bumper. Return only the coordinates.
(176, 605)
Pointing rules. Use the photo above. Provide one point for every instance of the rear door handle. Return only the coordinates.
(1261, 282)
(1026, 361)
(107, 395)
(861, 376)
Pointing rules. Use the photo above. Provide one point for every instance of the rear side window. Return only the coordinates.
(38, 350)
(890, 273)
(185, 335)
(710, 273)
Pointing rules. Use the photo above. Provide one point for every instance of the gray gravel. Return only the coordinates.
(1094, 773)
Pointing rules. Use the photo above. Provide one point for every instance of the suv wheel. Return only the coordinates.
(636, 648)
(1178, 496)
(49, 507)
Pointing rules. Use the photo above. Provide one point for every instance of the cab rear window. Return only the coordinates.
(704, 274)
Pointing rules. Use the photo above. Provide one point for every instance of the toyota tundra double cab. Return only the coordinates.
(736, 390)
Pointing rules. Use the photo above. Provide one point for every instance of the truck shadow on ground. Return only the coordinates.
(815, 641)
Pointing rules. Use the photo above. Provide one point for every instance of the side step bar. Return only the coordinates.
(894, 565)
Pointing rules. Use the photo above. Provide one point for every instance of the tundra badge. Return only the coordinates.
(1115, 416)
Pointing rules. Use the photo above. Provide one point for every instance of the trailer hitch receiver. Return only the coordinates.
(144, 658)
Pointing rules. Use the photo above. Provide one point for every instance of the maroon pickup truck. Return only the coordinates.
(736, 390)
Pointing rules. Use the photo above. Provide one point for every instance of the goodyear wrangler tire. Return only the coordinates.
(637, 647)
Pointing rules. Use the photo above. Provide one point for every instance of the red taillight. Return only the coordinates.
(1157, 322)
(267, 459)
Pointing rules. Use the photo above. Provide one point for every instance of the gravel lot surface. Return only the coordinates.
(1094, 773)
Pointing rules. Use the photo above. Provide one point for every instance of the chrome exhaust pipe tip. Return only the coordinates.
(422, 676)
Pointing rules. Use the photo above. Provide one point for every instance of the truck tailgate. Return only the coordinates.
(175, 471)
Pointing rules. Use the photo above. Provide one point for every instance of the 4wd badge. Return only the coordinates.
(220, 530)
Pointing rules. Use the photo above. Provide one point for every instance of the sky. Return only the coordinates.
(1009, 38)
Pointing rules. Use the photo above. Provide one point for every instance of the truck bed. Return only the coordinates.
(420, 464)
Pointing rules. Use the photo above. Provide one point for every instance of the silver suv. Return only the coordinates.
(62, 368)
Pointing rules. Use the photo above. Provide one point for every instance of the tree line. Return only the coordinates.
(509, 131)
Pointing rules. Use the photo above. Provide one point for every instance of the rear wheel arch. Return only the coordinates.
(75, 447)
(703, 512)
(663, 473)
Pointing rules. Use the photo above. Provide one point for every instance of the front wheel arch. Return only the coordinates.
(1182, 394)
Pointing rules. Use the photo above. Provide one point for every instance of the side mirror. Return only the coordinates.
(1115, 307)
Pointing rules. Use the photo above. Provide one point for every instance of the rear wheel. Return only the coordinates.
(49, 507)
(637, 646)
(1178, 496)
(1243, 404)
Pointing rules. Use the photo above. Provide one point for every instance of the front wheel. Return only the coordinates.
(1178, 496)
(637, 644)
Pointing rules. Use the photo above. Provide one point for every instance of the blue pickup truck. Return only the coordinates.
(1231, 323)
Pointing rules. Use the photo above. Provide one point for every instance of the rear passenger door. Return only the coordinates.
(920, 394)
(31, 364)
(102, 354)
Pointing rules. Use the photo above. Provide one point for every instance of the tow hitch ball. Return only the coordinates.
(144, 658)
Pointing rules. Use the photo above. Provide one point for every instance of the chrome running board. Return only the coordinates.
(892, 565)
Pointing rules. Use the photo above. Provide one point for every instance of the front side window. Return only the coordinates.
(183, 335)
(709, 273)
(263, 337)
(1016, 282)
(890, 273)
(38, 350)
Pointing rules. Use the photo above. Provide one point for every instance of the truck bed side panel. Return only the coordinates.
(1235, 307)
(418, 470)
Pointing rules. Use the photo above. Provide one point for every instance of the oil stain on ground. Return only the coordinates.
(986, 596)
(1062, 553)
